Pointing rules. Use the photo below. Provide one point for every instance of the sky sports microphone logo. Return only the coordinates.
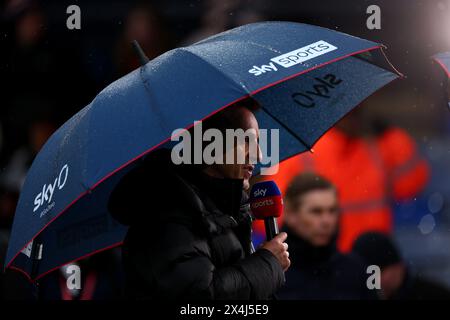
(258, 194)
(294, 57)
(266, 200)
(48, 190)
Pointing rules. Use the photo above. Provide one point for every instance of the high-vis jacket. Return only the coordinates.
(369, 173)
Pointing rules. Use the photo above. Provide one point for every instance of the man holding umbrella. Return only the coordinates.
(189, 236)
(190, 231)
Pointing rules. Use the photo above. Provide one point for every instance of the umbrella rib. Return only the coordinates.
(287, 128)
(221, 72)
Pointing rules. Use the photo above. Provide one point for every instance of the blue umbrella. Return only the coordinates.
(305, 78)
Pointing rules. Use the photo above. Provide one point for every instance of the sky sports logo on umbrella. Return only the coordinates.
(48, 190)
(295, 57)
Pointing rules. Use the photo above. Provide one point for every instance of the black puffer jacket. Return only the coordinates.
(189, 237)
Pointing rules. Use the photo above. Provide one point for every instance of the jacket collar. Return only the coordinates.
(221, 202)
(226, 194)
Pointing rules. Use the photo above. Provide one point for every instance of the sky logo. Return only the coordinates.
(259, 193)
(48, 189)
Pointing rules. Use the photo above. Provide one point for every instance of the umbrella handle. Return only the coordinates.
(36, 254)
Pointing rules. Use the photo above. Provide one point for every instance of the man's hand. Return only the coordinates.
(279, 249)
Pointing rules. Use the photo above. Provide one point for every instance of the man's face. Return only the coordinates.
(316, 217)
(244, 171)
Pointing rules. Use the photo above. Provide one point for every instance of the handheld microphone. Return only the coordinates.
(266, 203)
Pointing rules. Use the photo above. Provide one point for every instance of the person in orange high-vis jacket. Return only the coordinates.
(370, 172)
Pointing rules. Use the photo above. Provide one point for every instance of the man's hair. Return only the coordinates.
(229, 118)
(304, 183)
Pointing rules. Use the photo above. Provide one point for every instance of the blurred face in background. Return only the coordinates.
(144, 25)
(30, 28)
(315, 216)
(141, 25)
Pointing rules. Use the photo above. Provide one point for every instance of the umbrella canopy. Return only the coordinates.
(304, 77)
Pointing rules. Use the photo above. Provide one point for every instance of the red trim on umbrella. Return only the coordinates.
(316, 67)
(117, 244)
(80, 258)
(443, 66)
(22, 272)
(45, 226)
(158, 145)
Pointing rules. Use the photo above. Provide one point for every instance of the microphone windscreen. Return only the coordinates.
(266, 200)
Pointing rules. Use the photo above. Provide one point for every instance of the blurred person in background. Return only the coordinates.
(27, 62)
(318, 271)
(30, 76)
(214, 19)
(372, 165)
(145, 25)
(396, 280)
(223, 15)
(13, 286)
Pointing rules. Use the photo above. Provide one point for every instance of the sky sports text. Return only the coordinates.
(242, 147)
(294, 57)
